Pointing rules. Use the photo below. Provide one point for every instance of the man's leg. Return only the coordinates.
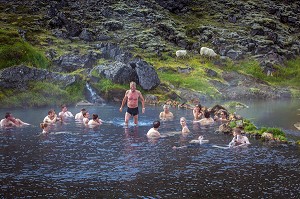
(127, 117)
(136, 117)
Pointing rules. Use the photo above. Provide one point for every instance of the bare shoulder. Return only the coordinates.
(127, 92)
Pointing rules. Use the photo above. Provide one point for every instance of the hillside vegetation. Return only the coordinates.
(255, 38)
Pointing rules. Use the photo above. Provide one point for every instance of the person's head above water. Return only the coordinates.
(156, 124)
(237, 131)
(132, 86)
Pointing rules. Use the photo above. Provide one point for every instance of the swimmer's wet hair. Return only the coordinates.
(237, 130)
(156, 124)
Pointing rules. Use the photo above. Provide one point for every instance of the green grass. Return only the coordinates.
(15, 51)
(42, 94)
(196, 80)
(105, 85)
(288, 76)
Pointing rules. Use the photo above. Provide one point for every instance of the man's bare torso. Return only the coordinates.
(132, 98)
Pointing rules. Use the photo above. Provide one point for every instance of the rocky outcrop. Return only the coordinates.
(138, 71)
(239, 86)
(18, 77)
(72, 62)
(147, 76)
(125, 67)
(117, 72)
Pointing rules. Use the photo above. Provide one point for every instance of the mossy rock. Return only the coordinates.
(235, 104)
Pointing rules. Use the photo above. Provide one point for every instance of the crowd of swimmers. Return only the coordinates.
(202, 116)
(132, 96)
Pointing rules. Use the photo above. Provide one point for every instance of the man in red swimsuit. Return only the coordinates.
(132, 97)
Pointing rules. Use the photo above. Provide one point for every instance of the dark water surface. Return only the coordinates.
(112, 161)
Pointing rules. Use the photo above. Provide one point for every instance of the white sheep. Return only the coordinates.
(207, 52)
(181, 53)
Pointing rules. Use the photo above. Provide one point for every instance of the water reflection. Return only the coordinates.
(114, 161)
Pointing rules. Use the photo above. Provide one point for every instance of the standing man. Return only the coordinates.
(132, 97)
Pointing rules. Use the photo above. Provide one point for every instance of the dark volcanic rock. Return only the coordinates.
(138, 71)
(72, 62)
(18, 77)
(241, 86)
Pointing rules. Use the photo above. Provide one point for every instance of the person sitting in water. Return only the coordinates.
(238, 139)
(45, 127)
(200, 140)
(166, 114)
(207, 119)
(185, 129)
(197, 112)
(64, 112)
(153, 132)
(223, 116)
(86, 116)
(10, 121)
(192, 143)
(79, 116)
(95, 121)
(51, 118)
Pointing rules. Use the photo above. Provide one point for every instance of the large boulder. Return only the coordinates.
(18, 77)
(138, 71)
(147, 76)
(117, 72)
(125, 68)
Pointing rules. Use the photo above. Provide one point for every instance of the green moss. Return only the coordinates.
(254, 90)
(277, 133)
(15, 51)
(234, 104)
(284, 76)
(193, 81)
(43, 94)
(105, 85)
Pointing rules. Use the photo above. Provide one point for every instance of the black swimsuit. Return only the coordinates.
(133, 111)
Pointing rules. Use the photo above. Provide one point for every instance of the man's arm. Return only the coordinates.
(143, 101)
(124, 101)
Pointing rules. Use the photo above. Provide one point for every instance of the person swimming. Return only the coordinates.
(153, 132)
(95, 121)
(192, 143)
(185, 129)
(166, 114)
(11, 121)
(238, 139)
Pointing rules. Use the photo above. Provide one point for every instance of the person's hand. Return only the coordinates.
(120, 109)
(143, 110)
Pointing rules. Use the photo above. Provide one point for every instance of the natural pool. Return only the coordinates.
(112, 161)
